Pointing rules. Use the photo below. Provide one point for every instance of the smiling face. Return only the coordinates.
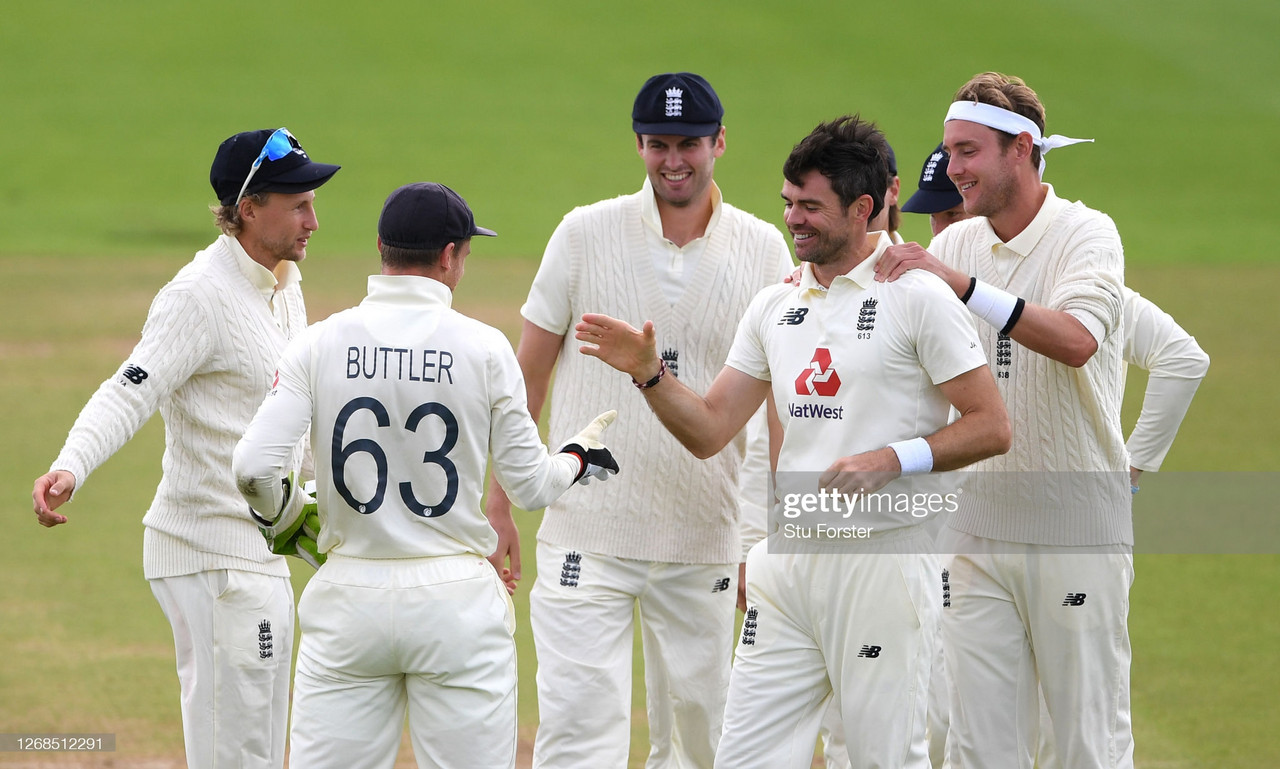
(982, 167)
(680, 168)
(278, 231)
(824, 231)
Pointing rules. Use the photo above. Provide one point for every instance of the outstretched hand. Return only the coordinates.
(620, 345)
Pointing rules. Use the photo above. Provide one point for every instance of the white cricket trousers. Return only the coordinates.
(1022, 614)
(859, 623)
(582, 609)
(233, 639)
(428, 635)
(835, 751)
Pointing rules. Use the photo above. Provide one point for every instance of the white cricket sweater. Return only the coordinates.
(1154, 341)
(206, 360)
(665, 505)
(1064, 481)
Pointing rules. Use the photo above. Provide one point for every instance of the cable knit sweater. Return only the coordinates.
(665, 505)
(1064, 480)
(206, 360)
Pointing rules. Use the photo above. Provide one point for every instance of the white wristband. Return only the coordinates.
(914, 455)
(999, 308)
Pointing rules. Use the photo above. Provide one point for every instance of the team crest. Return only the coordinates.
(671, 357)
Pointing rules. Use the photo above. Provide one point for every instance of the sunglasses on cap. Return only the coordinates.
(279, 144)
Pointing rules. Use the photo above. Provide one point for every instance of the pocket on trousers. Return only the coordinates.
(246, 629)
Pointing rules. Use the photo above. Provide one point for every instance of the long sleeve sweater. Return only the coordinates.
(205, 361)
(665, 505)
(1064, 480)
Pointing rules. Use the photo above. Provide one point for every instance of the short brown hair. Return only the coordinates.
(1007, 92)
(399, 258)
(228, 217)
(849, 151)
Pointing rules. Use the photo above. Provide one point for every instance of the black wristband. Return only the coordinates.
(1013, 316)
(662, 371)
(973, 283)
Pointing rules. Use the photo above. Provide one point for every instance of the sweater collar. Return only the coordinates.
(408, 291)
(1025, 242)
(863, 274)
(653, 220)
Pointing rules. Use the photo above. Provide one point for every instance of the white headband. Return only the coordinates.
(1002, 119)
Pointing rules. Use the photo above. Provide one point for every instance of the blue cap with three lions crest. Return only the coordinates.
(677, 104)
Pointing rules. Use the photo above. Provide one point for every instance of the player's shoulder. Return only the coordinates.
(924, 283)
(773, 298)
(607, 207)
(477, 333)
(1082, 221)
(963, 231)
(745, 218)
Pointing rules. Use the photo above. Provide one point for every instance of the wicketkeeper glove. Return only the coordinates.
(296, 534)
(597, 461)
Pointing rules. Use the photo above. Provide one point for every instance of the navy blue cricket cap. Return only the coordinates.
(426, 216)
(293, 173)
(936, 191)
(678, 104)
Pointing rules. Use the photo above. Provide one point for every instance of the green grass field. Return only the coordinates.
(113, 113)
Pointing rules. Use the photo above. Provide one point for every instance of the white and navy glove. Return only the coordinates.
(297, 528)
(596, 459)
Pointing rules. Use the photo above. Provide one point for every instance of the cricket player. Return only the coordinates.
(864, 380)
(662, 540)
(406, 399)
(1153, 341)
(205, 360)
(1042, 542)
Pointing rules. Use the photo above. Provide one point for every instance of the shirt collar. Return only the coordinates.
(408, 291)
(863, 274)
(260, 277)
(1024, 242)
(653, 220)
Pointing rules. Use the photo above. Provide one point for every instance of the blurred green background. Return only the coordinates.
(112, 113)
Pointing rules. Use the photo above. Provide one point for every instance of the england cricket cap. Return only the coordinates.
(426, 216)
(678, 104)
(292, 173)
(936, 192)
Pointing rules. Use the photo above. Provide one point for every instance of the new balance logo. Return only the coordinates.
(721, 585)
(793, 316)
(749, 627)
(571, 570)
(266, 648)
(134, 374)
(1073, 599)
(870, 652)
(820, 378)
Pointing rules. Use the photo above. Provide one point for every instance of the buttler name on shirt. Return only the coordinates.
(400, 363)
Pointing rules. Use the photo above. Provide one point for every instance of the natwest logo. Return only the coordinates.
(819, 378)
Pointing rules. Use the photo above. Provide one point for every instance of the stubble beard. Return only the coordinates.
(827, 250)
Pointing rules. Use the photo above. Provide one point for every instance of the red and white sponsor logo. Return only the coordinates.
(819, 378)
